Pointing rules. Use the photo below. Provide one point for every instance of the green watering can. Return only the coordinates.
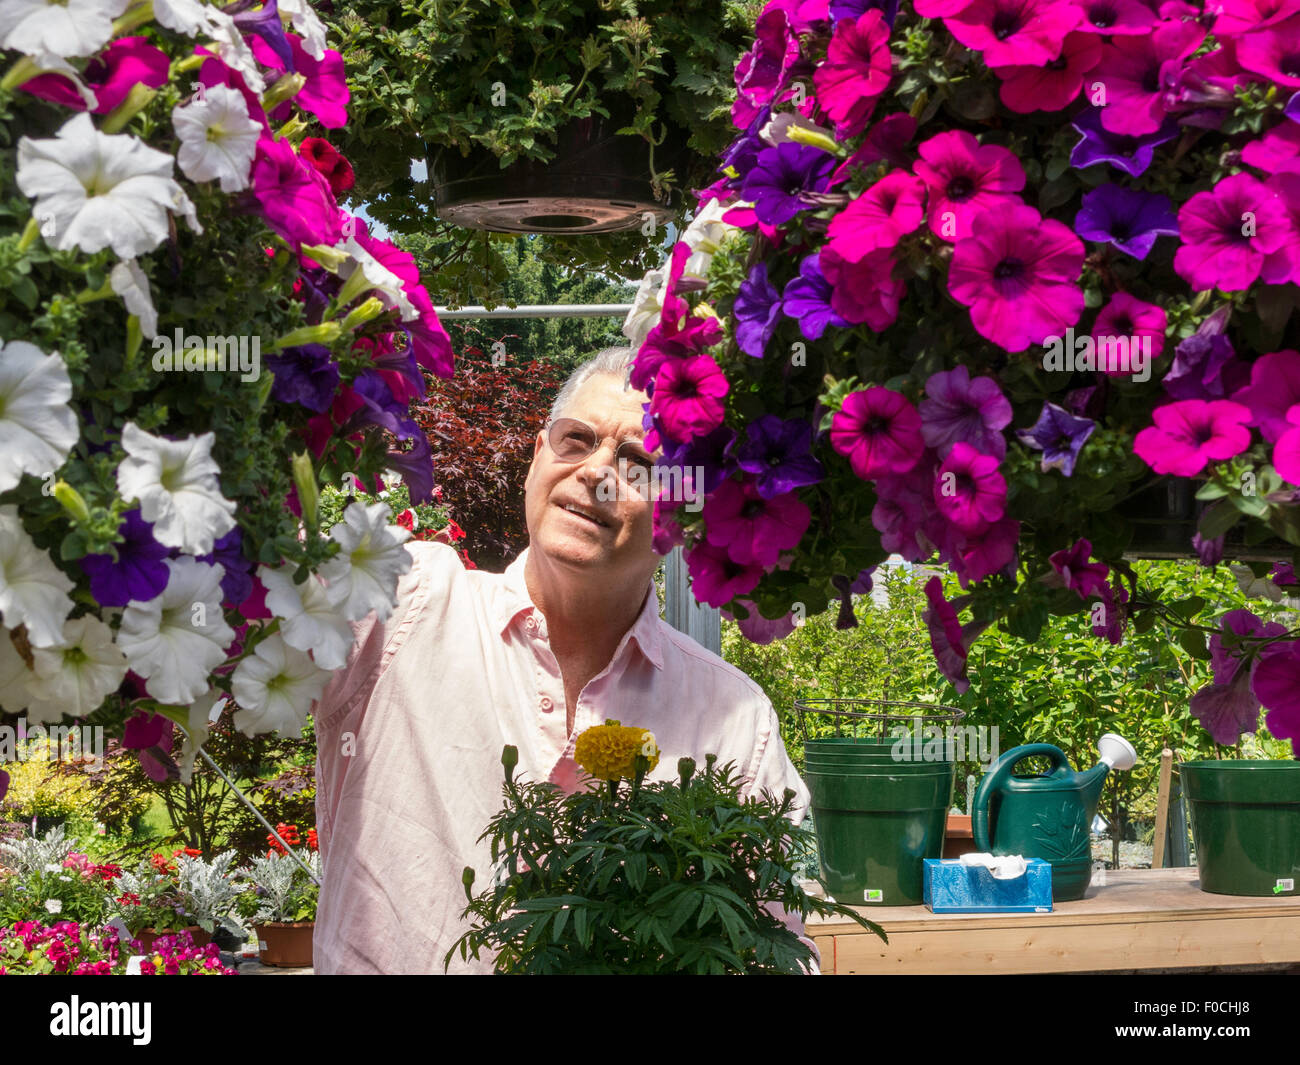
(1047, 816)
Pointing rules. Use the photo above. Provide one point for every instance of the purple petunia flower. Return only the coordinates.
(1127, 218)
(855, 9)
(265, 23)
(378, 407)
(1128, 153)
(306, 375)
(709, 455)
(958, 408)
(139, 573)
(757, 307)
(1082, 577)
(1205, 365)
(237, 579)
(846, 590)
(1059, 435)
(742, 153)
(416, 467)
(950, 640)
(779, 454)
(808, 298)
(779, 177)
(1292, 109)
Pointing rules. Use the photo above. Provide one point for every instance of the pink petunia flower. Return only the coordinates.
(1283, 265)
(1228, 232)
(754, 530)
(296, 201)
(893, 207)
(965, 178)
(988, 551)
(111, 75)
(1126, 316)
(1274, 51)
(688, 397)
(716, 577)
(326, 92)
(1054, 85)
(969, 490)
(1286, 452)
(1273, 390)
(864, 290)
(1082, 577)
(1017, 273)
(1115, 18)
(1130, 75)
(1014, 32)
(1189, 434)
(1278, 151)
(949, 639)
(1276, 684)
(856, 71)
(879, 431)
(765, 67)
(1236, 17)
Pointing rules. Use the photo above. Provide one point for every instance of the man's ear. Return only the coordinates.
(538, 444)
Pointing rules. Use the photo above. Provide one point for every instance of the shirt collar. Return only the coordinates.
(512, 600)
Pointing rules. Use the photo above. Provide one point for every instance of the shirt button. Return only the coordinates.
(530, 626)
(545, 703)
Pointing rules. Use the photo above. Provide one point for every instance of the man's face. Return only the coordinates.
(614, 537)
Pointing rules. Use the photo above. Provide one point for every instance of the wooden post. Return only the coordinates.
(701, 623)
(1162, 809)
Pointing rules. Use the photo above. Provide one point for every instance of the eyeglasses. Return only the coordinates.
(573, 441)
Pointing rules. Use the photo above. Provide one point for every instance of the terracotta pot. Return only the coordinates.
(957, 837)
(148, 935)
(285, 944)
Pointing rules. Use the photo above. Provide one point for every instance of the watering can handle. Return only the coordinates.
(981, 829)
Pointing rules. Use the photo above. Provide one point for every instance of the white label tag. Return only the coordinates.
(261, 944)
(133, 964)
(873, 895)
(1285, 885)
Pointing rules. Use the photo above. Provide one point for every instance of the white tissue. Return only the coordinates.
(1003, 867)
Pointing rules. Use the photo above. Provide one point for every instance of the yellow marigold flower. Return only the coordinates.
(609, 751)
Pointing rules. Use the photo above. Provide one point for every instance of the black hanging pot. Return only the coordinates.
(1164, 518)
(598, 182)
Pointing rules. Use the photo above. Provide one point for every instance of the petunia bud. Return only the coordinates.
(325, 333)
(362, 313)
(72, 501)
(286, 87)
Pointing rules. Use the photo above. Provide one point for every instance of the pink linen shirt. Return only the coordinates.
(409, 738)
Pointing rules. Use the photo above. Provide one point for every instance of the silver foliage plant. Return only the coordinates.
(208, 888)
(32, 854)
(278, 877)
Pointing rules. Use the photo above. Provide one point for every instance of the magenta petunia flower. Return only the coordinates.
(1012, 33)
(1017, 273)
(893, 207)
(968, 489)
(879, 431)
(111, 75)
(1228, 232)
(764, 68)
(1273, 390)
(758, 629)
(1188, 435)
(1082, 577)
(1129, 74)
(989, 551)
(1226, 711)
(1110, 625)
(949, 639)
(887, 139)
(959, 408)
(687, 401)
(717, 578)
(754, 530)
(865, 290)
(965, 178)
(856, 71)
(1286, 452)
(1236, 17)
(1277, 152)
(1276, 684)
(1274, 51)
(325, 93)
(1115, 18)
(1283, 265)
(1051, 86)
(296, 201)
(1129, 319)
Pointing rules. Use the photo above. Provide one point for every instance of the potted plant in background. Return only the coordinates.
(150, 902)
(280, 900)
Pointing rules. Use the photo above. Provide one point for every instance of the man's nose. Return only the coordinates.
(599, 465)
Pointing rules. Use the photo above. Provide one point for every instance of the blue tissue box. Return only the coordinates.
(950, 887)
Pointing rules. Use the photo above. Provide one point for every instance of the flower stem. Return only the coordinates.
(24, 70)
(134, 18)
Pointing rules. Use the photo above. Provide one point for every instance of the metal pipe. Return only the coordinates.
(539, 310)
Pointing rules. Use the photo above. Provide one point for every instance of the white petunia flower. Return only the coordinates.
(307, 25)
(197, 729)
(37, 426)
(14, 676)
(176, 484)
(75, 677)
(377, 275)
(33, 590)
(95, 190)
(234, 50)
(51, 27)
(275, 687)
(308, 620)
(129, 282)
(218, 138)
(704, 236)
(647, 306)
(187, 17)
(176, 639)
(363, 576)
(1253, 587)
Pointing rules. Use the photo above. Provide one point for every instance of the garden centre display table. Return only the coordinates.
(1132, 919)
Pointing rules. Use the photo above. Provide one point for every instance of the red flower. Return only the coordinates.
(329, 162)
(107, 871)
(128, 898)
(311, 839)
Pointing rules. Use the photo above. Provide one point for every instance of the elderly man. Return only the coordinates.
(410, 732)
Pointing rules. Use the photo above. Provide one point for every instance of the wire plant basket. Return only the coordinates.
(869, 719)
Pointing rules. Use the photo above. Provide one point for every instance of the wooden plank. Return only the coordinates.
(1162, 806)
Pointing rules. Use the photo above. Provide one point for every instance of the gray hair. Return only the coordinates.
(616, 361)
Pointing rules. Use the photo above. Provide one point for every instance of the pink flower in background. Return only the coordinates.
(893, 207)
(1110, 625)
(1189, 434)
(1274, 51)
(1129, 72)
(764, 68)
(965, 178)
(879, 431)
(1273, 390)
(1128, 317)
(716, 577)
(855, 73)
(887, 139)
(687, 401)
(1054, 85)
(1227, 233)
(296, 201)
(111, 74)
(1014, 32)
(1017, 272)
(968, 489)
(754, 530)
(325, 93)
(1082, 577)
(863, 290)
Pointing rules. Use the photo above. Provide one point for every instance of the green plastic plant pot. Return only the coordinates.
(875, 829)
(874, 767)
(1246, 823)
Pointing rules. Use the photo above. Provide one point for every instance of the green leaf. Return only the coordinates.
(1193, 642)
